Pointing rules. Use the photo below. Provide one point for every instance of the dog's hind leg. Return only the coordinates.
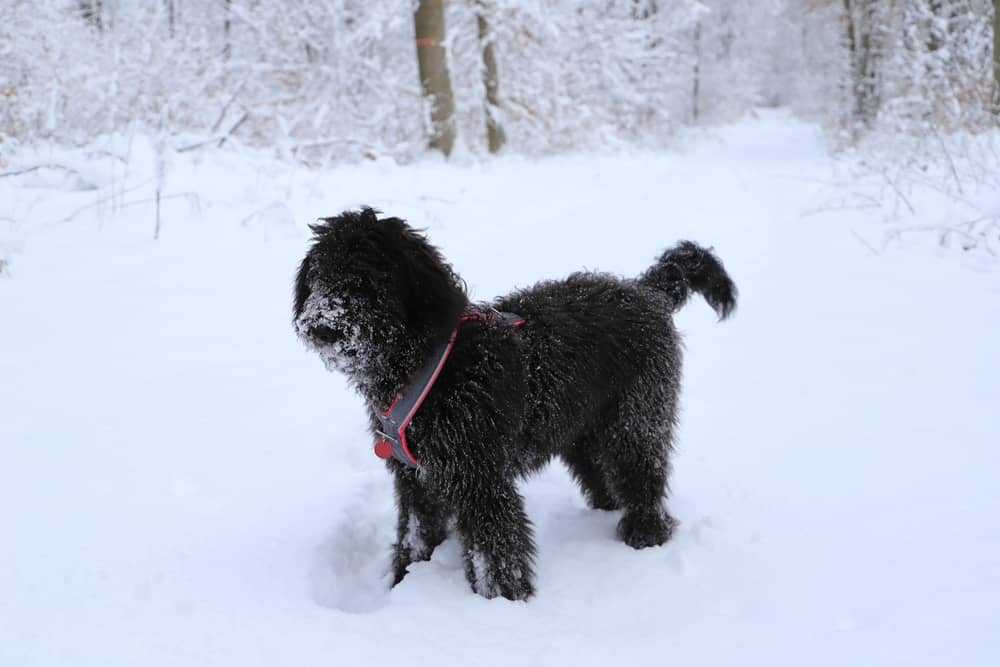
(581, 459)
(636, 456)
(422, 522)
(496, 538)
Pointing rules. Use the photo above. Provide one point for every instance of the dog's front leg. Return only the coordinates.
(496, 538)
(422, 521)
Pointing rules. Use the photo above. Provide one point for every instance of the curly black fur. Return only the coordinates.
(592, 378)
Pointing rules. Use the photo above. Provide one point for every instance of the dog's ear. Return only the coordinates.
(431, 295)
(301, 287)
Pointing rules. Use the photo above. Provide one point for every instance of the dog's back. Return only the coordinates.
(607, 346)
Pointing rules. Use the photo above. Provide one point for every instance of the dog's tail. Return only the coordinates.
(686, 267)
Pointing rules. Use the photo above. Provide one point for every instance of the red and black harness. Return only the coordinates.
(392, 441)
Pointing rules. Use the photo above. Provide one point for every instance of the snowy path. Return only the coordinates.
(182, 484)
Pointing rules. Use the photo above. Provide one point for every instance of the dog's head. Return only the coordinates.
(369, 288)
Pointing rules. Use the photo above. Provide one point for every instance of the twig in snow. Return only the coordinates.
(219, 138)
(191, 196)
(225, 107)
(899, 193)
(865, 243)
(235, 126)
(28, 170)
(865, 202)
(109, 154)
(951, 162)
(156, 228)
(944, 232)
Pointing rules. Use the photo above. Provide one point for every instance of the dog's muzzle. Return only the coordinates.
(324, 334)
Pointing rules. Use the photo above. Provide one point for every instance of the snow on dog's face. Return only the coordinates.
(368, 287)
(325, 326)
(342, 295)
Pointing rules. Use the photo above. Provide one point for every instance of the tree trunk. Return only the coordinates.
(996, 57)
(92, 12)
(874, 61)
(171, 18)
(868, 65)
(643, 9)
(936, 36)
(432, 61)
(852, 53)
(227, 22)
(860, 21)
(491, 79)
(696, 87)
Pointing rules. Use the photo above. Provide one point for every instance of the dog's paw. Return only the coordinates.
(646, 529)
(492, 579)
(402, 557)
(603, 502)
(399, 570)
(516, 589)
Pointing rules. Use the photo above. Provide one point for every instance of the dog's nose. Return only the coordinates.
(324, 333)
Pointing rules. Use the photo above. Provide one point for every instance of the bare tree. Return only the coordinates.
(643, 9)
(491, 79)
(996, 57)
(860, 17)
(172, 17)
(432, 61)
(227, 28)
(936, 36)
(696, 74)
(328, 81)
(92, 12)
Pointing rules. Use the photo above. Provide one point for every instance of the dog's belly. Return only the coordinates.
(533, 460)
(571, 405)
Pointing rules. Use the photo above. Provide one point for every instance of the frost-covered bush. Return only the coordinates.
(337, 80)
(938, 72)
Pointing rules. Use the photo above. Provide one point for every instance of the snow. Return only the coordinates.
(183, 483)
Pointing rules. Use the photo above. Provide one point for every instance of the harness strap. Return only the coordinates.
(395, 420)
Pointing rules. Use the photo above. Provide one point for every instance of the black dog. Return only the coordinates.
(592, 376)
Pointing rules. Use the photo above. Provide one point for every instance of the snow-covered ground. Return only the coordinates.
(181, 483)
